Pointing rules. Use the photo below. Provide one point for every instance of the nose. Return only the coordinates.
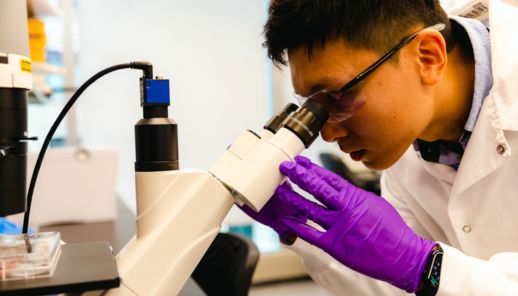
(331, 132)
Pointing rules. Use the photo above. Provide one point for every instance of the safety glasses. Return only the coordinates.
(344, 103)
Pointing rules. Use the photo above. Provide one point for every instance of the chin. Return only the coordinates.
(375, 166)
(378, 164)
(382, 159)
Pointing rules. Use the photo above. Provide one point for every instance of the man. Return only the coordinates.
(432, 101)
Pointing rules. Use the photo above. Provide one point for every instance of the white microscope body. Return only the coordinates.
(179, 212)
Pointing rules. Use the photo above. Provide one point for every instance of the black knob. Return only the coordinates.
(307, 121)
(276, 121)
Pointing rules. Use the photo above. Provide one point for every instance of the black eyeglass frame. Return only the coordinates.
(360, 77)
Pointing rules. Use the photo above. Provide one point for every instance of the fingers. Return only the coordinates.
(304, 231)
(310, 182)
(286, 184)
(251, 213)
(307, 208)
(331, 178)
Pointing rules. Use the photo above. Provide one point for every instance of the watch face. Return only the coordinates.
(432, 275)
(435, 272)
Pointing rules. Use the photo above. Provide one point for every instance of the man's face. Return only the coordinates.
(396, 108)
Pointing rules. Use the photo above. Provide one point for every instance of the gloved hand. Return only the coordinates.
(362, 230)
(272, 213)
(9, 227)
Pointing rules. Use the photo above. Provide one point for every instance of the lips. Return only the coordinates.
(358, 154)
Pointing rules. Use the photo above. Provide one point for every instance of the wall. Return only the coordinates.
(210, 49)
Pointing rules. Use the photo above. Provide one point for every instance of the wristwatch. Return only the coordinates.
(432, 273)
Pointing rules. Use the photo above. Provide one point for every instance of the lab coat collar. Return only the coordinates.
(480, 43)
(488, 147)
(486, 151)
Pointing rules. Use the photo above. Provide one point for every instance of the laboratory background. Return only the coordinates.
(221, 83)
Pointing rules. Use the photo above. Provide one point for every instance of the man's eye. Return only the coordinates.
(337, 96)
(350, 94)
(334, 96)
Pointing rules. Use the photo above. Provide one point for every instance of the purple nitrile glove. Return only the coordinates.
(276, 209)
(362, 230)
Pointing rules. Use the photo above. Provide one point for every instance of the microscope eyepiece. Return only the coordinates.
(307, 121)
(276, 121)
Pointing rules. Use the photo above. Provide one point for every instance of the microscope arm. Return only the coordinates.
(182, 212)
(179, 212)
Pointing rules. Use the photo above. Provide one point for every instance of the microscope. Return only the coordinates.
(15, 82)
(179, 211)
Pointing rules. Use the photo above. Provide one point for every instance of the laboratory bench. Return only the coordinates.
(275, 263)
(117, 233)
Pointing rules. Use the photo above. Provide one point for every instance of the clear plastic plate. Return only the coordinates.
(29, 256)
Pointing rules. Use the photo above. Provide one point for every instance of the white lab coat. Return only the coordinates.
(473, 212)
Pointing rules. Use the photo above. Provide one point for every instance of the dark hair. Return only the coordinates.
(367, 24)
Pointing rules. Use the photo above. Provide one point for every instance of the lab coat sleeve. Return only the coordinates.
(336, 278)
(465, 275)
(461, 274)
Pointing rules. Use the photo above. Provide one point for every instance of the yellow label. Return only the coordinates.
(26, 66)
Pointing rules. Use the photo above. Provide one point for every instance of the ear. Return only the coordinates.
(431, 56)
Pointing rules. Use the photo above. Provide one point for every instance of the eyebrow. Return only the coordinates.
(322, 83)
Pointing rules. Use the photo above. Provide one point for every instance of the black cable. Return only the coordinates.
(148, 74)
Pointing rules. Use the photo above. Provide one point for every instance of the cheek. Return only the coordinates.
(392, 124)
(393, 117)
(394, 108)
(388, 125)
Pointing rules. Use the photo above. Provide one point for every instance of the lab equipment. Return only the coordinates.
(163, 255)
(179, 212)
(15, 81)
(39, 252)
(251, 172)
(78, 166)
(362, 230)
(90, 277)
(81, 267)
(17, 262)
